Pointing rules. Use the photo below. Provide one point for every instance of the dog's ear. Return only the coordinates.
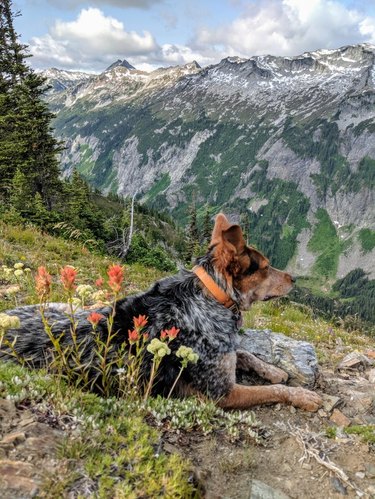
(235, 237)
(224, 231)
(221, 224)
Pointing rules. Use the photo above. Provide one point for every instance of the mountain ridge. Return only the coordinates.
(242, 135)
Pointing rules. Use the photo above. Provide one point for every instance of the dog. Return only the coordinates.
(205, 304)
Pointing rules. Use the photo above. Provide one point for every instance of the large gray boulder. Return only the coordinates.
(297, 358)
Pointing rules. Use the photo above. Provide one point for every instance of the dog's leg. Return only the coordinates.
(243, 397)
(247, 361)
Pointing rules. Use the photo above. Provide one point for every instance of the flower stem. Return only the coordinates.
(175, 382)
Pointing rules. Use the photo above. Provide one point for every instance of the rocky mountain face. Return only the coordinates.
(286, 144)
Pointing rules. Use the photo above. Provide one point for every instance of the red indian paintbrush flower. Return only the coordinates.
(68, 276)
(133, 336)
(169, 333)
(140, 321)
(43, 281)
(116, 276)
(94, 318)
(99, 282)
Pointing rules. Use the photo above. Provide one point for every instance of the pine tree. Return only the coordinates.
(192, 234)
(26, 140)
(207, 226)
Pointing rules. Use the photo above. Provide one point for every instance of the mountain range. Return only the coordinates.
(284, 144)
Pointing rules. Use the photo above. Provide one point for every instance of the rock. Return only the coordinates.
(14, 438)
(360, 475)
(260, 490)
(330, 402)
(370, 470)
(371, 376)
(339, 419)
(339, 486)
(297, 358)
(16, 476)
(354, 360)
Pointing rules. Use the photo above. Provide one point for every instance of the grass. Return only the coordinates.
(299, 322)
(116, 447)
(113, 451)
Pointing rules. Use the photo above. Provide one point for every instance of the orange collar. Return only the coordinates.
(217, 292)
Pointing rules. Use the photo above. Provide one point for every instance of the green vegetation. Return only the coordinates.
(121, 462)
(367, 239)
(301, 322)
(366, 432)
(274, 227)
(320, 139)
(326, 243)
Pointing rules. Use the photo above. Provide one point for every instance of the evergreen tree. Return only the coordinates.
(207, 226)
(192, 243)
(26, 140)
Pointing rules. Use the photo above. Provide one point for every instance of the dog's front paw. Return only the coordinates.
(305, 399)
(274, 375)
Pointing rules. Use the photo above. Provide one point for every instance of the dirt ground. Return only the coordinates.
(294, 459)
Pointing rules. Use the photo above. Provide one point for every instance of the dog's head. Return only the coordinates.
(244, 268)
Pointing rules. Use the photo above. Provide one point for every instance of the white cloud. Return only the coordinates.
(91, 41)
(140, 4)
(280, 27)
(289, 27)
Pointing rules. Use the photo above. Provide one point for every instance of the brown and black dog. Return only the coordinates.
(205, 305)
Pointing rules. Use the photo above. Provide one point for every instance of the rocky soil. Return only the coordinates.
(295, 458)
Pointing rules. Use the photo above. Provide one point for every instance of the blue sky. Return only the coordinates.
(89, 35)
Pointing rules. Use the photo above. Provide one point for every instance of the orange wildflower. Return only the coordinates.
(169, 333)
(116, 277)
(94, 318)
(99, 282)
(140, 321)
(133, 336)
(43, 281)
(68, 276)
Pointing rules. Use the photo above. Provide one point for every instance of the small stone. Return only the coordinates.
(354, 360)
(292, 410)
(306, 466)
(370, 354)
(322, 413)
(260, 490)
(370, 470)
(371, 376)
(339, 418)
(338, 486)
(371, 491)
(360, 475)
(330, 402)
(26, 421)
(14, 438)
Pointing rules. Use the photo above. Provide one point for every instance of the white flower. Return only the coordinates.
(187, 354)
(18, 265)
(84, 290)
(18, 272)
(9, 322)
(158, 348)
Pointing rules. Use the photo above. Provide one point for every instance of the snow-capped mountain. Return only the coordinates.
(61, 80)
(287, 143)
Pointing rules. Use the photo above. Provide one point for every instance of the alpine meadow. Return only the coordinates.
(187, 249)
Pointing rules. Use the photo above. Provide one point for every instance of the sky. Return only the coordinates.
(90, 35)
